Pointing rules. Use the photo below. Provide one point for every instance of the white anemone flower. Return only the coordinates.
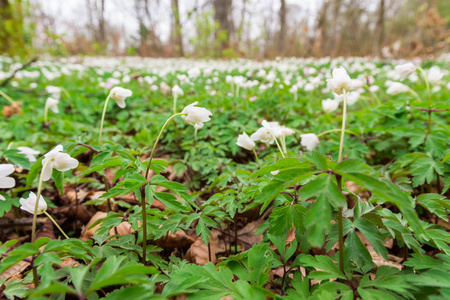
(395, 88)
(52, 103)
(330, 105)
(28, 204)
(54, 90)
(60, 161)
(119, 95)
(6, 182)
(177, 91)
(435, 75)
(404, 70)
(196, 116)
(245, 141)
(309, 140)
(352, 97)
(340, 82)
(264, 135)
(29, 153)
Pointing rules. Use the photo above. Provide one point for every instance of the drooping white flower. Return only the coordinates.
(6, 182)
(293, 89)
(352, 97)
(404, 70)
(29, 153)
(58, 160)
(28, 204)
(374, 88)
(309, 140)
(196, 116)
(245, 141)
(330, 105)
(54, 91)
(395, 88)
(340, 82)
(177, 91)
(52, 104)
(264, 135)
(435, 75)
(119, 95)
(164, 87)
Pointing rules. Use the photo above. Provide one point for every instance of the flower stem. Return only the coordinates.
(335, 130)
(424, 75)
(279, 147)
(56, 224)
(414, 93)
(157, 140)
(144, 210)
(340, 218)
(103, 119)
(46, 113)
(175, 104)
(11, 101)
(344, 117)
(256, 157)
(33, 227)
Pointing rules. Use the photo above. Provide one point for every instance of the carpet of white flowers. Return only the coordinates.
(139, 178)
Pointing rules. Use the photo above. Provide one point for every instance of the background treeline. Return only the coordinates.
(232, 28)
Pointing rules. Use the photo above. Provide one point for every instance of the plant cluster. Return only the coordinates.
(291, 179)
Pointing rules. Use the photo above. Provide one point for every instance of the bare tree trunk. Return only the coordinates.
(176, 31)
(222, 12)
(336, 35)
(101, 23)
(379, 30)
(282, 33)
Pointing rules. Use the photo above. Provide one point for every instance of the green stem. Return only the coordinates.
(335, 130)
(237, 91)
(156, 142)
(256, 157)
(414, 93)
(344, 117)
(195, 137)
(103, 119)
(46, 113)
(144, 210)
(175, 104)
(65, 92)
(11, 101)
(424, 75)
(33, 227)
(279, 147)
(373, 95)
(340, 220)
(56, 224)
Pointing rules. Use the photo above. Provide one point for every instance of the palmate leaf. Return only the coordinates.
(389, 193)
(328, 269)
(435, 203)
(424, 170)
(355, 252)
(318, 219)
(371, 232)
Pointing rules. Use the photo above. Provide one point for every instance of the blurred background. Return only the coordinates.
(256, 29)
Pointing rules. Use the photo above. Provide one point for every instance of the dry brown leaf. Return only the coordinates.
(179, 239)
(15, 270)
(14, 109)
(69, 262)
(247, 236)
(198, 252)
(122, 229)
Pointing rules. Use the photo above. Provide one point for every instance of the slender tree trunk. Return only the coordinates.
(101, 23)
(379, 30)
(222, 12)
(178, 41)
(282, 33)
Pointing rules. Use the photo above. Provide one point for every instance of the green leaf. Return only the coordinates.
(424, 169)
(356, 252)
(318, 219)
(107, 163)
(371, 232)
(328, 269)
(171, 202)
(435, 203)
(34, 171)
(317, 159)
